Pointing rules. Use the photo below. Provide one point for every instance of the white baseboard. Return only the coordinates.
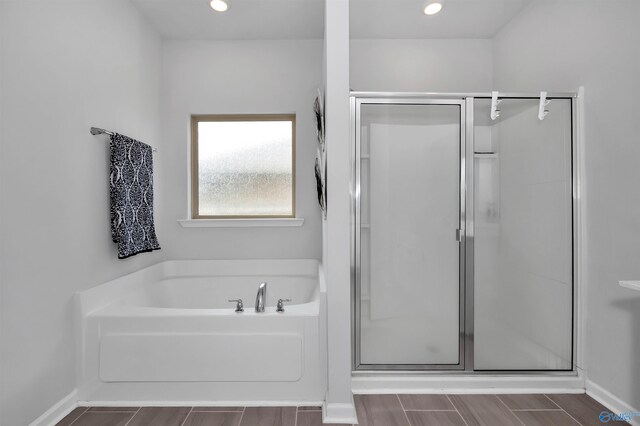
(612, 402)
(339, 413)
(199, 403)
(56, 413)
(466, 384)
(474, 391)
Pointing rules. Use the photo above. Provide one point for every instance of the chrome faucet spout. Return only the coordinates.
(261, 297)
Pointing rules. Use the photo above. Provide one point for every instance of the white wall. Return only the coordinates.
(561, 45)
(239, 77)
(66, 65)
(421, 65)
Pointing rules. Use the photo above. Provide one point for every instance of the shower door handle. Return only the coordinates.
(459, 235)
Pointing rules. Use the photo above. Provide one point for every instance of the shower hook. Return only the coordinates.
(495, 112)
(542, 113)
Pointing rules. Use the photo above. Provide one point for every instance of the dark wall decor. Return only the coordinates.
(321, 155)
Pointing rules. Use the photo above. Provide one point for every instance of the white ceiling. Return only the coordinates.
(457, 19)
(245, 19)
(304, 19)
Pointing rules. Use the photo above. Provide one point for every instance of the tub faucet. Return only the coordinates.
(261, 297)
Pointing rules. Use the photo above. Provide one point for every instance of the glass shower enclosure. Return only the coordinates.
(463, 233)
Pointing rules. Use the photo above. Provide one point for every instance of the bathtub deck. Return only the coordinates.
(373, 410)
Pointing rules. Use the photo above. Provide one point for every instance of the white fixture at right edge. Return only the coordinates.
(633, 285)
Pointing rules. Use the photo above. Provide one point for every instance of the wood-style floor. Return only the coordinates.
(373, 410)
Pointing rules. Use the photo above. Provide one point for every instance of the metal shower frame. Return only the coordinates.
(466, 256)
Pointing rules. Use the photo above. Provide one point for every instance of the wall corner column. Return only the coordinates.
(339, 406)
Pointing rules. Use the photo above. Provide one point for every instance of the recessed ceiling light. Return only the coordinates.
(219, 5)
(432, 8)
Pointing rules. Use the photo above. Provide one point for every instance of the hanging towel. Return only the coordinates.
(131, 193)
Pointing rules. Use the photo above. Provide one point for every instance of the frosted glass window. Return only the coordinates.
(243, 166)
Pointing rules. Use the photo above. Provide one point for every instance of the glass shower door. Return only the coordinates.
(523, 277)
(408, 213)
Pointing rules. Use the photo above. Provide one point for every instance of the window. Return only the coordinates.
(243, 166)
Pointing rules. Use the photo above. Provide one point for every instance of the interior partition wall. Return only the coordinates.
(463, 233)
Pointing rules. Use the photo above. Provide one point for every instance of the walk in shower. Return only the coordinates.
(463, 232)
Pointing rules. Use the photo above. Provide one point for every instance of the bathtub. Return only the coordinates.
(167, 335)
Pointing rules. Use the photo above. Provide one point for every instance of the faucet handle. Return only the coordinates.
(239, 305)
(280, 306)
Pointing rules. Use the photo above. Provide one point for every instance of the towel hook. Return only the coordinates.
(495, 112)
(542, 112)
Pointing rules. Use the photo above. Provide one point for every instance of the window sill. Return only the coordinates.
(241, 223)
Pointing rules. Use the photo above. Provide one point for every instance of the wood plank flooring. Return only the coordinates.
(373, 410)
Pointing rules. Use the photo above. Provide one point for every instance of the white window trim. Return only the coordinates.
(241, 223)
(235, 222)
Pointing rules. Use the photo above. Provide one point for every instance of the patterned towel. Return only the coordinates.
(131, 192)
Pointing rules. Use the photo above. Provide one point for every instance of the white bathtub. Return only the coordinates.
(168, 335)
